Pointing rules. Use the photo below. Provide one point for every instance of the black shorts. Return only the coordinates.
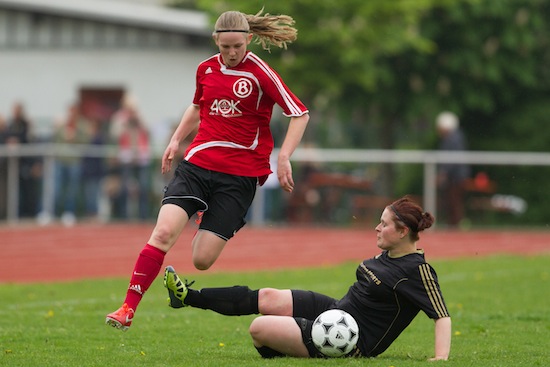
(224, 199)
(307, 305)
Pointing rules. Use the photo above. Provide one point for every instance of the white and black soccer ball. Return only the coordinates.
(335, 333)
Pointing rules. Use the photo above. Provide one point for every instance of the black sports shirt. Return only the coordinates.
(388, 294)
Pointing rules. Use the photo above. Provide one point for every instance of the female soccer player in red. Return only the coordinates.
(234, 98)
(390, 290)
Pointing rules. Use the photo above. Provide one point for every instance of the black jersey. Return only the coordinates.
(388, 294)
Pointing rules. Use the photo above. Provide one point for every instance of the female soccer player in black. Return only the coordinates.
(390, 290)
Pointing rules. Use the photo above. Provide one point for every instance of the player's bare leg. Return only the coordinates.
(170, 223)
(278, 333)
(273, 301)
(207, 247)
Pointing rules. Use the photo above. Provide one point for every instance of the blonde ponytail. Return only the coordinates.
(277, 30)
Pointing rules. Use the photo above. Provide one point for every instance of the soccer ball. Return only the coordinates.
(335, 333)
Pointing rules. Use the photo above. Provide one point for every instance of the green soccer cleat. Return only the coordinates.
(177, 290)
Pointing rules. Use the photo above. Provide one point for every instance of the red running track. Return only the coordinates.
(55, 253)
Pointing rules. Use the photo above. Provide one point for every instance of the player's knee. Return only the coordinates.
(206, 249)
(163, 237)
(257, 330)
(266, 297)
(202, 263)
(273, 301)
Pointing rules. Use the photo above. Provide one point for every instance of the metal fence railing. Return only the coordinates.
(48, 153)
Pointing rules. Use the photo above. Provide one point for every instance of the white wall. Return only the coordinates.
(148, 2)
(163, 82)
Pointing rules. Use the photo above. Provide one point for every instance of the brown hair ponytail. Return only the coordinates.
(409, 214)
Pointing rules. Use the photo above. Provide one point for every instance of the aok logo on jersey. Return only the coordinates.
(225, 108)
(242, 88)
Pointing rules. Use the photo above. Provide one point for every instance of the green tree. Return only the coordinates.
(376, 73)
(378, 65)
(490, 66)
(491, 60)
(335, 61)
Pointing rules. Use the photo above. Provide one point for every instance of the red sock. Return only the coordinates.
(146, 270)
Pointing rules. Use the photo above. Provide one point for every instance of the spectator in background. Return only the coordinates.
(119, 120)
(3, 171)
(134, 163)
(30, 171)
(72, 130)
(93, 171)
(451, 177)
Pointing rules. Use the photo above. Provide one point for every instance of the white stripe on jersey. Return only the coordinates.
(292, 106)
(210, 58)
(222, 144)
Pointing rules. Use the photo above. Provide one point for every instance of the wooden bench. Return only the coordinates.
(317, 198)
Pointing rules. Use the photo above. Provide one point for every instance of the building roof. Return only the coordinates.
(119, 12)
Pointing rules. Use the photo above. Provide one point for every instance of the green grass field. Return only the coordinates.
(500, 308)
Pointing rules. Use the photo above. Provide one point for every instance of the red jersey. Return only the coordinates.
(236, 104)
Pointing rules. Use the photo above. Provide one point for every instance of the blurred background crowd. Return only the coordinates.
(83, 183)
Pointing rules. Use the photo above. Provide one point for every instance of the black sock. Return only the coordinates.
(267, 352)
(231, 301)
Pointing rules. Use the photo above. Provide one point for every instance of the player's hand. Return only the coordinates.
(284, 174)
(168, 156)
